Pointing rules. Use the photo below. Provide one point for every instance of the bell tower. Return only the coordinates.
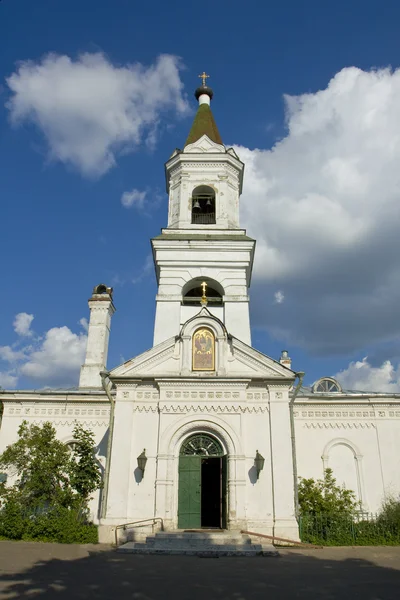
(203, 257)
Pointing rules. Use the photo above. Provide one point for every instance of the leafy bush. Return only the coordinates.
(325, 496)
(53, 485)
(62, 525)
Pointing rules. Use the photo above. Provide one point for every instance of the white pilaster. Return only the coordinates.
(285, 524)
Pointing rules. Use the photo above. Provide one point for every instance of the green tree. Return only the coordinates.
(47, 473)
(324, 496)
(85, 471)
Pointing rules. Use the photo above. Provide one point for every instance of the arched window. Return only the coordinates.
(203, 205)
(203, 350)
(201, 444)
(193, 292)
(326, 385)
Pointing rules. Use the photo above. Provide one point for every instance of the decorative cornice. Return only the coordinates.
(35, 411)
(350, 413)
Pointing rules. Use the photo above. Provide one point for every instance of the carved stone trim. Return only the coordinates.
(339, 425)
(211, 408)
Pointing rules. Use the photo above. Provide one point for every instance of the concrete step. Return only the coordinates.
(216, 551)
(213, 544)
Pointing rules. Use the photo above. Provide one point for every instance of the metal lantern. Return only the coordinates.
(3, 477)
(142, 460)
(259, 463)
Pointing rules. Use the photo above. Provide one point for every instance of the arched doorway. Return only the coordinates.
(202, 483)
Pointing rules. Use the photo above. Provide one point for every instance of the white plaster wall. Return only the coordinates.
(326, 432)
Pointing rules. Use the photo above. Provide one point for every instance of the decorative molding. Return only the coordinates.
(351, 414)
(34, 411)
(72, 423)
(203, 383)
(337, 425)
(211, 408)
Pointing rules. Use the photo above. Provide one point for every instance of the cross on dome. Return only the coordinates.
(204, 77)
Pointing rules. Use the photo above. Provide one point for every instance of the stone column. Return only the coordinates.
(101, 310)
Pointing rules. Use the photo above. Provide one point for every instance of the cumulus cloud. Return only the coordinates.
(7, 380)
(362, 376)
(279, 297)
(89, 110)
(53, 359)
(9, 355)
(22, 324)
(58, 358)
(324, 206)
(135, 198)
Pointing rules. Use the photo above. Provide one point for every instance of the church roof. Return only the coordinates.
(204, 124)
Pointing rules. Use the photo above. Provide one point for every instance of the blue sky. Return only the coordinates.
(326, 287)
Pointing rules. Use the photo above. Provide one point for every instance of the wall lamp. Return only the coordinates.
(3, 477)
(141, 461)
(259, 463)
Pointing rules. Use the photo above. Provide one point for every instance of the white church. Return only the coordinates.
(202, 430)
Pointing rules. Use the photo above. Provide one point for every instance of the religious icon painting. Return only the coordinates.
(203, 350)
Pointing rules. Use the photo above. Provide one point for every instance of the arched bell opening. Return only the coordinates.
(195, 290)
(203, 205)
(202, 488)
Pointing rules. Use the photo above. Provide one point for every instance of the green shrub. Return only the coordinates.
(62, 525)
(13, 522)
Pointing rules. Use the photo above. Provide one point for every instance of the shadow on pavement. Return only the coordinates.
(50, 571)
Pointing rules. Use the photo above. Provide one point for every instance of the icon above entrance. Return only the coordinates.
(202, 483)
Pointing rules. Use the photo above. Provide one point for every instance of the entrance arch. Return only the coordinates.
(202, 486)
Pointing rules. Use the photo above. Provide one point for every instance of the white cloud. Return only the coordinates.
(53, 359)
(7, 380)
(90, 110)
(323, 204)
(84, 323)
(361, 376)
(9, 355)
(22, 324)
(279, 297)
(145, 270)
(58, 358)
(135, 198)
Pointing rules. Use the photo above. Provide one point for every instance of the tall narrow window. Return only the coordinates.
(203, 205)
(203, 350)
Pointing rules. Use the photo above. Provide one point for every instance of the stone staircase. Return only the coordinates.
(199, 543)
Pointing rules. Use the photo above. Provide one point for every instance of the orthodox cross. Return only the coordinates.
(204, 77)
(204, 297)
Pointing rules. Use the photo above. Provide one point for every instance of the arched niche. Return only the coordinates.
(345, 460)
(203, 205)
(204, 320)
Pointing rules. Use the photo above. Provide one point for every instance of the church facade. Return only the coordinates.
(202, 430)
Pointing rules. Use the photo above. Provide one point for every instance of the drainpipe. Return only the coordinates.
(104, 496)
(300, 376)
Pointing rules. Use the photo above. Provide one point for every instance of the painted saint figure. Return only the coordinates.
(203, 350)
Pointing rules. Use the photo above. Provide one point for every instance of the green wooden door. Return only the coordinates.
(189, 492)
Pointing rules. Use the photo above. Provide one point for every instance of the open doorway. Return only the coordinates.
(202, 484)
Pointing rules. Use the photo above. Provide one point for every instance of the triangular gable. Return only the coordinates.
(204, 144)
(245, 359)
(241, 360)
